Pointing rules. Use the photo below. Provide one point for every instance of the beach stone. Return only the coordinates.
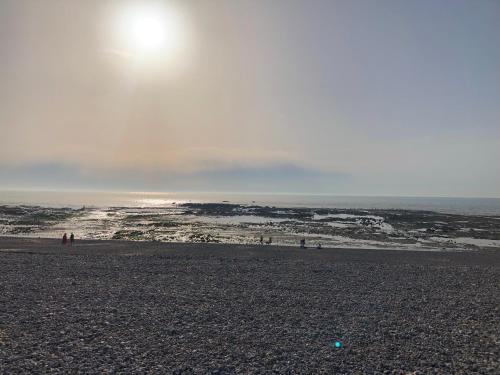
(241, 309)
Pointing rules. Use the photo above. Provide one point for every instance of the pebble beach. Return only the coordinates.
(149, 307)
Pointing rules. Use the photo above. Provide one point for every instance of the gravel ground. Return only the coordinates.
(137, 307)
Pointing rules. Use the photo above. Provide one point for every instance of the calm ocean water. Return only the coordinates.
(467, 206)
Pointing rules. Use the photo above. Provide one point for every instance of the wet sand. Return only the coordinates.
(147, 307)
(245, 224)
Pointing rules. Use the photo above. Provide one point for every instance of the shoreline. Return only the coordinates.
(33, 245)
(90, 242)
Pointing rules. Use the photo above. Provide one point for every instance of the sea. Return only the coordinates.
(415, 223)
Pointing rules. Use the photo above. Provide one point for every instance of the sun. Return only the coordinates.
(147, 33)
(149, 30)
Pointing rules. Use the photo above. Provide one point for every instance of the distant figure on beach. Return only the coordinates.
(269, 241)
(303, 243)
(72, 238)
(319, 247)
(65, 239)
(262, 240)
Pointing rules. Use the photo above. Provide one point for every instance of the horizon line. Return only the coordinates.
(91, 191)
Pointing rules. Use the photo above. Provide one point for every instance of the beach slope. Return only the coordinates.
(118, 306)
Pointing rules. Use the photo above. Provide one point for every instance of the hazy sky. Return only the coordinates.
(343, 97)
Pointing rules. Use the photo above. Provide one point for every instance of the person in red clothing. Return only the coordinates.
(65, 239)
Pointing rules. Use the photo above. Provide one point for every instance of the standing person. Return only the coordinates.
(261, 240)
(65, 239)
(72, 238)
(303, 243)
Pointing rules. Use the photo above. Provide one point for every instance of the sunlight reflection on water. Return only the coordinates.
(467, 206)
(151, 202)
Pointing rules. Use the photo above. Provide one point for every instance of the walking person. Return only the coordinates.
(72, 239)
(303, 243)
(65, 239)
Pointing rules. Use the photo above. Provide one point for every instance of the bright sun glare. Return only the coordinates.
(149, 31)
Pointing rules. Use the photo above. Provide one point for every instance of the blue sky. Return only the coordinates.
(340, 97)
